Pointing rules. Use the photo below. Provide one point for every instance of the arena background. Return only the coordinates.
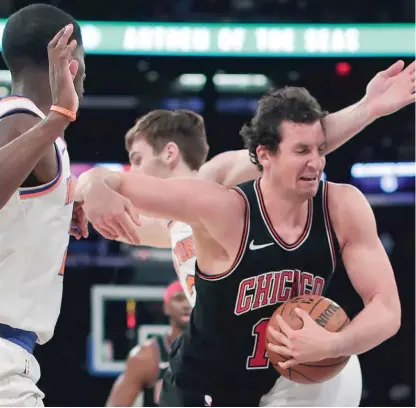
(143, 55)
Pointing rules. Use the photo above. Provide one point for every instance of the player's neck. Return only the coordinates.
(182, 170)
(34, 86)
(175, 332)
(282, 206)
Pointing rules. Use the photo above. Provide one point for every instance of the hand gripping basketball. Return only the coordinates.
(62, 71)
(302, 338)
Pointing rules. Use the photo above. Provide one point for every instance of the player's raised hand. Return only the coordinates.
(309, 344)
(392, 89)
(63, 69)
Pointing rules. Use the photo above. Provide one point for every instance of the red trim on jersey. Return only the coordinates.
(269, 223)
(328, 225)
(242, 247)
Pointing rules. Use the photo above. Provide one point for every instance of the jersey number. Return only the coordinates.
(259, 359)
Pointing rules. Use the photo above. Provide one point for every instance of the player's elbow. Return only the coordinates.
(392, 313)
(396, 321)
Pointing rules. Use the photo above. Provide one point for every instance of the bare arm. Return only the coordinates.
(141, 371)
(153, 232)
(196, 202)
(22, 146)
(230, 168)
(369, 270)
(217, 215)
(343, 125)
(389, 91)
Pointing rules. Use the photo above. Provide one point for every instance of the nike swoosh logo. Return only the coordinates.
(162, 366)
(254, 247)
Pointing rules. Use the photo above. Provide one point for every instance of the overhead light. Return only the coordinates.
(241, 82)
(190, 82)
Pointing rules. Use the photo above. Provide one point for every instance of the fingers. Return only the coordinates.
(284, 327)
(118, 225)
(73, 68)
(304, 315)
(105, 231)
(411, 68)
(55, 39)
(128, 229)
(278, 337)
(58, 48)
(282, 350)
(64, 38)
(77, 206)
(393, 69)
(83, 224)
(131, 210)
(69, 49)
(75, 232)
(288, 364)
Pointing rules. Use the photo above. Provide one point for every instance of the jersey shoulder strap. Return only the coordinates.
(163, 346)
(12, 105)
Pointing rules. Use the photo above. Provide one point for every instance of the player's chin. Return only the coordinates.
(309, 190)
(183, 321)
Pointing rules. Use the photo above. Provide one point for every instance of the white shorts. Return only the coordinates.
(19, 373)
(344, 390)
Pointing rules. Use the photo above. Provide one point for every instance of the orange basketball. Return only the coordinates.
(327, 314)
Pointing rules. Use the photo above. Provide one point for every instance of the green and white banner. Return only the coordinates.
(248, 40)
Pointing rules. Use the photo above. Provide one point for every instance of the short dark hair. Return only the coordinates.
(183, 127)
(28, 32)
(290, 104)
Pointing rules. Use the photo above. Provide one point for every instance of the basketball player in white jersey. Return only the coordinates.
(42, 48)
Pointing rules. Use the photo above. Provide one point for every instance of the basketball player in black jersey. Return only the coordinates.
(259, 245)
(147, 364)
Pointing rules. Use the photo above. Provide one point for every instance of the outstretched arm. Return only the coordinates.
(369, 270)
(387, 92)
(202, 204)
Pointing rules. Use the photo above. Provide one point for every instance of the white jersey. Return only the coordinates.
(184, 258)
(34, 236)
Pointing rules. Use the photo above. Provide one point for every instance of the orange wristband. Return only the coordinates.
(66, 112)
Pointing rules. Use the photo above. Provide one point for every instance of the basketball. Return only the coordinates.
(328, 315)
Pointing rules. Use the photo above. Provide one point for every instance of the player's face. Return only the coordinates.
(179, 310)
(79, 55)
(298, 164)
(144, 160)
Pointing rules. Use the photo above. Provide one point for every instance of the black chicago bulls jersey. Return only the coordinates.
(223, 353)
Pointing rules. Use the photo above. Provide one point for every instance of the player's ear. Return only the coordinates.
(263, 155)
(171, 154)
